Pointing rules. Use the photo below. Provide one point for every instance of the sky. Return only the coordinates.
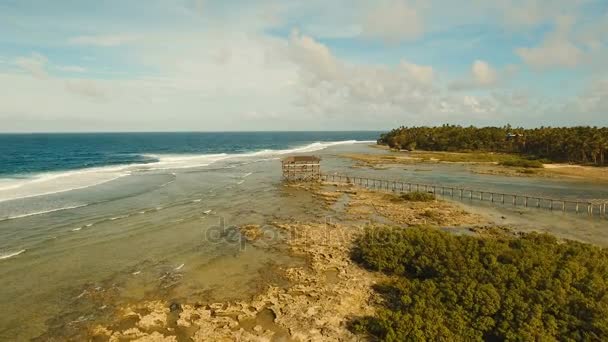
(211, 65)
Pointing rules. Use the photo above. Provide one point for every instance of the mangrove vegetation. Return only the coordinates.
(448, 287)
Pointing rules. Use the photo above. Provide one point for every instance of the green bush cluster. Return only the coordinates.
(527, 163)
(450, 287)
(417, 196)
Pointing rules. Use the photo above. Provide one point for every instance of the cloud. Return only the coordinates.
(34, 64)
(420, 73)
(86, 88)
(590, 103)
(393, 21)
(104, 40)
(521, 15)
(72, 68)
(556, 50)
(331, 87)
(483, 75)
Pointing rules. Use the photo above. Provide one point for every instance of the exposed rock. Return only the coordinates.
(368, 203)
(251, 232)
(175, 307)
(321, 298)
(312, 309)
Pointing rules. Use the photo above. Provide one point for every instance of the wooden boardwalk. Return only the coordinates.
(591, 208)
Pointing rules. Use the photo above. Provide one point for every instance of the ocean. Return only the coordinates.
(42, 164)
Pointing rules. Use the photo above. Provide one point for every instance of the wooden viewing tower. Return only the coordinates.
(301, 168)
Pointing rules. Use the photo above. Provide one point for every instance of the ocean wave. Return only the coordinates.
(42, 212)
(58, 182)
(10, 254)
(64, 181)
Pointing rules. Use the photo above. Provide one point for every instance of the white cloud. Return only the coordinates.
(72, 68)
(592, 102)
(86, 88)
(525, 14)
(34, 64)
(557, 49)
(394, 21)
(333, 88)
(483, 75)
(420, 73)
(104, 40)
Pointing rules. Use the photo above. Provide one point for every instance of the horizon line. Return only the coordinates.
(232, 131)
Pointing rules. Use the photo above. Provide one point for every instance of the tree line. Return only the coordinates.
(583, 144)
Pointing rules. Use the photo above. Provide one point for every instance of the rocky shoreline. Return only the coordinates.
(323, 297)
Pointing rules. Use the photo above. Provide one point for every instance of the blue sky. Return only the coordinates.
(205, 65)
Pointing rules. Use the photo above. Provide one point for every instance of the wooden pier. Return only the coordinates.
(591, 208)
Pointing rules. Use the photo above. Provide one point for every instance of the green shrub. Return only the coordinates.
(462, 288)
(527, 163)
(417, 196)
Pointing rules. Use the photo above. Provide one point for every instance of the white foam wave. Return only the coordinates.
(182, 161)
(58, 182)
(43, 212)
(11, 254)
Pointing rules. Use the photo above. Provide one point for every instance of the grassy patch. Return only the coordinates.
(415, 196)
(526, 163)
(465, 157)
(447, 287)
